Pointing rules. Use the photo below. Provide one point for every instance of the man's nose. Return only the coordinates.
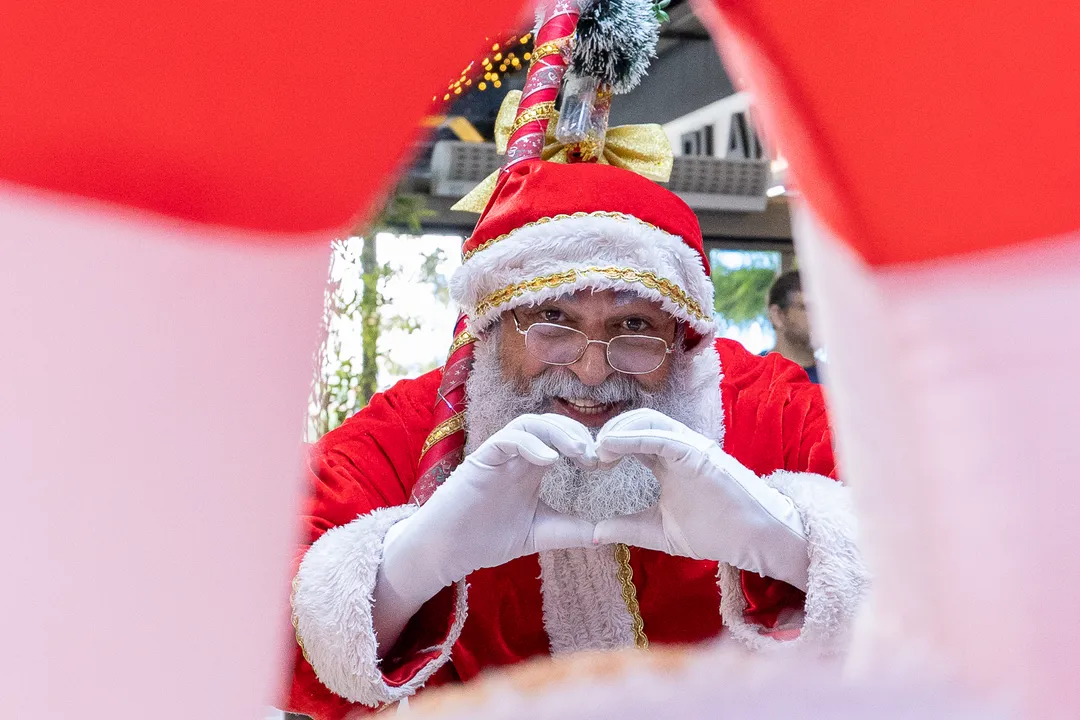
(593, 368)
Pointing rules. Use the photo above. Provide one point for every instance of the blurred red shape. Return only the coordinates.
(918, 130)
(269, 115)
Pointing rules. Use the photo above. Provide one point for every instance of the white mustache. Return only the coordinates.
(562, 383)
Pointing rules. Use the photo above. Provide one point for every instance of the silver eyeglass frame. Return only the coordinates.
(668, 349)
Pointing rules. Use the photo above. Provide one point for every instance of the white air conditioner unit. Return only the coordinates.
(457, 167)
(709, 183)
(705, 183)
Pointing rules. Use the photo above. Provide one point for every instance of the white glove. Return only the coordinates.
(487, 513)
(711, 506)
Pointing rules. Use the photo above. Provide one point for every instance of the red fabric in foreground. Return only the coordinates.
(277, 116)
(918, 130)
(774, 418)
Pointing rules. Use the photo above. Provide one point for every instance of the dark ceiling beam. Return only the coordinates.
(771, 227)
(685, 36)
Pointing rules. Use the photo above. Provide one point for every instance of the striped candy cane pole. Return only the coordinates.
(549, 61)
(444, 448)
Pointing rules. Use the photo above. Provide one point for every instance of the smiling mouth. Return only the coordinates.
(588, 412)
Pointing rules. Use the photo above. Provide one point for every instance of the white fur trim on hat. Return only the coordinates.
(594, 246)
(838, 578)
(332, 601)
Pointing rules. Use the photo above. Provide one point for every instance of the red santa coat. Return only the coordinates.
(774, 419)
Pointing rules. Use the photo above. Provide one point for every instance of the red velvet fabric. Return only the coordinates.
(274, 115)
(918, 130)
(774, 419)
(537, 189)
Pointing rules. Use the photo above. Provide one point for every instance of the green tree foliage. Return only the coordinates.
(742, 292)
(429, 273)
(339, 389)
(370, 320)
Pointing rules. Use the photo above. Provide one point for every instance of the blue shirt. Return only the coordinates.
(811, 372)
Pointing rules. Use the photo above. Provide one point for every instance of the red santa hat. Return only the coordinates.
(552, 229)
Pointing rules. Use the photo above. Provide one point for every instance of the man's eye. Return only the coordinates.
(635, 325)
(551, 315)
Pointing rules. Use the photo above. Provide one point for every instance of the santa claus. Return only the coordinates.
(592, 469)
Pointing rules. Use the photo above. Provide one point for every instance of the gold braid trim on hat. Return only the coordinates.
(623, 217)
(629, 595)
(649, 279)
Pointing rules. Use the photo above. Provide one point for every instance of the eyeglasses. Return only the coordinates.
(560, 345)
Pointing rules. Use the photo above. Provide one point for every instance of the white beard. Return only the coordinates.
(689, 396)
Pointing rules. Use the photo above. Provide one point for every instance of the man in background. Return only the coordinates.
(788, 314)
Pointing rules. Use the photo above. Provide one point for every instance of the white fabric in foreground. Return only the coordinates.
(184, 351)
(694, 682)
(332, 600)
(955, 403)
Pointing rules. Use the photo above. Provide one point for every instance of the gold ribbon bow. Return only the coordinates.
(644, 149)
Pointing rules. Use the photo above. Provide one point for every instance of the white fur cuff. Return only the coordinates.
(838, 578)
(332, 601)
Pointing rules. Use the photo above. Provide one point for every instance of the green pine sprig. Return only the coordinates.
(661, 14)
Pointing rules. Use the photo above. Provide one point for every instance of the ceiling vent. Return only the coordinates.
(710, 183)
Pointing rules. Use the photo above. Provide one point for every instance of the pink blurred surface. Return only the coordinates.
(151, 406)
(952, 389)
(723, 680)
